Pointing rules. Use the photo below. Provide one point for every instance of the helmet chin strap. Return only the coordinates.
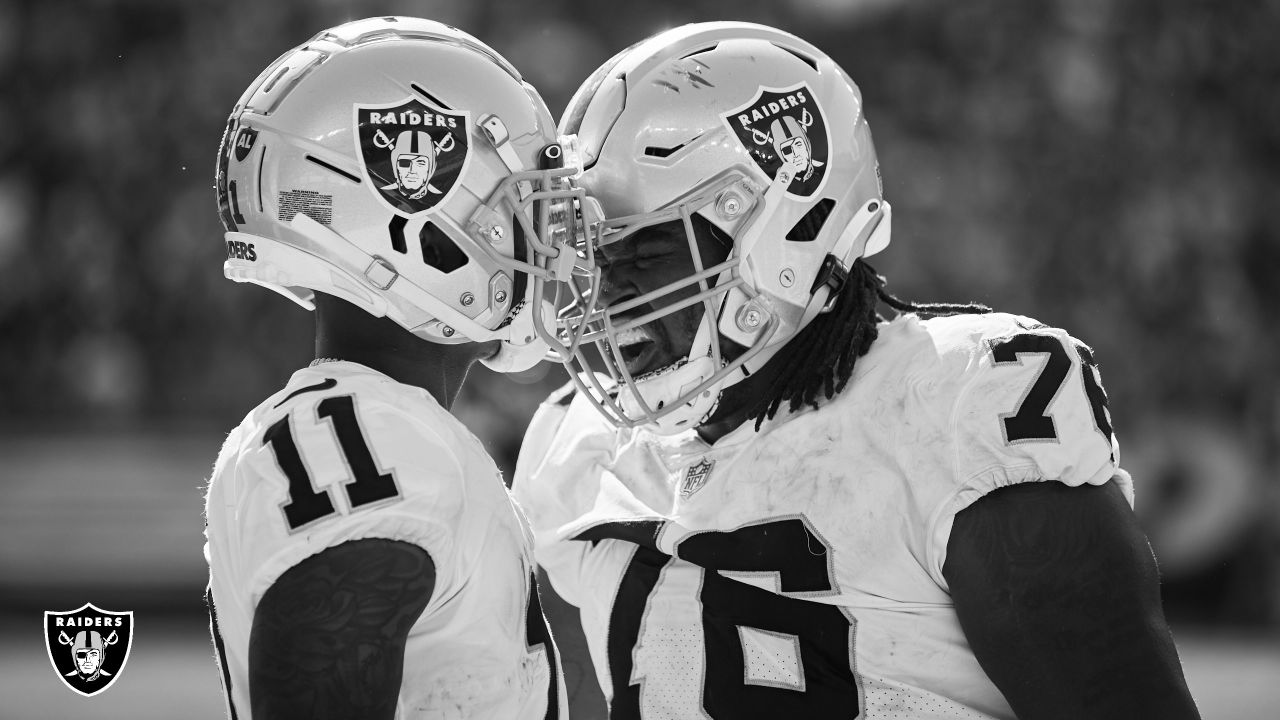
(513, 357)
(866, 234)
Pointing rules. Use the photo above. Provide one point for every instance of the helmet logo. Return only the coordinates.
(785, 128)
(412, 153)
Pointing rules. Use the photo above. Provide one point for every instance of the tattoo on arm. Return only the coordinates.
(1058, 594)
(328, 637)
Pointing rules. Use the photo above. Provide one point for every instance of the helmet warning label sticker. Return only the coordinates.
(317, 206)
(785, 128)
(412, 153)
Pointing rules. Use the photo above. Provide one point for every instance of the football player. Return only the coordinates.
(366, 560)
(781, 504)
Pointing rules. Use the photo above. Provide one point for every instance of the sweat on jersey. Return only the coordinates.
(481, 648)
(797, 572)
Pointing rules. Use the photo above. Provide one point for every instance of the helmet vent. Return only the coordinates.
(271, 84)
(808, 227)
(661, 152)
(803, 58)
(396, 230)
(333, 169)
(699, 51)
(262, 159)
(438, 249)
(434, 100)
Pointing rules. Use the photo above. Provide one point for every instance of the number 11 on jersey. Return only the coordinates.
(306, 504)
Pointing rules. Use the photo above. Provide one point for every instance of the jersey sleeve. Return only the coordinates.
(1028, 407)
(318, 476)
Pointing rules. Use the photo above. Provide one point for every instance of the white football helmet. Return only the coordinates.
(754, 130)
(405, 167)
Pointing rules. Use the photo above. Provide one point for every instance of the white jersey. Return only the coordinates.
(797, 572)
(344, 453)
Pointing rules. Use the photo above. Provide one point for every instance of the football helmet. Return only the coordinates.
(407, 168)
(763, 136)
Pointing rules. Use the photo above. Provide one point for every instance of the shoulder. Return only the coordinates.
(343, 454)
(1003, 400)
(967, 359)
(569, 401)
(326, 390)
(566, 437)
(353, 405)
(918, 371)
(1010, 389)
(567, 417)
(951, 342)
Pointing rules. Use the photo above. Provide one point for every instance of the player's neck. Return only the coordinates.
(344, 332)
(441, 374)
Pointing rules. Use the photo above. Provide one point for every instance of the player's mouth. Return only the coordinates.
(641, 348)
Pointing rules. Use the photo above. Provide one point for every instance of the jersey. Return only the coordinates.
(344, 453)
(797, 571)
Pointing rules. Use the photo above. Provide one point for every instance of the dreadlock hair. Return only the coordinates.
(821, 356)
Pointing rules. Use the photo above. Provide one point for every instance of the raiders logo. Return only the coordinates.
(785, 128)
(88, 647)
(412, 153)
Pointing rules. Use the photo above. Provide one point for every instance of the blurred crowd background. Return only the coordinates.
(1108, 167)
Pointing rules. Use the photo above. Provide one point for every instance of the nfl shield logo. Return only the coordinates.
(88, 647)
(412, 153)
(785, 128)
(695, 477)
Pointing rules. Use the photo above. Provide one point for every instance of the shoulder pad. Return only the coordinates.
(562, 395)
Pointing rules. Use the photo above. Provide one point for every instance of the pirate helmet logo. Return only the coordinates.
(88, 647)
(785, 128)
(412, 153)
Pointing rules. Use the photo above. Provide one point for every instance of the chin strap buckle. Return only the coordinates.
(832, 274)
(380, 273)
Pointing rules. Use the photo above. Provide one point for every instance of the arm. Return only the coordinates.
(328, 636)
(1058, 594)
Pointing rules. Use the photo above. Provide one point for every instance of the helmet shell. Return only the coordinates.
(321, 133)
(764, 136)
